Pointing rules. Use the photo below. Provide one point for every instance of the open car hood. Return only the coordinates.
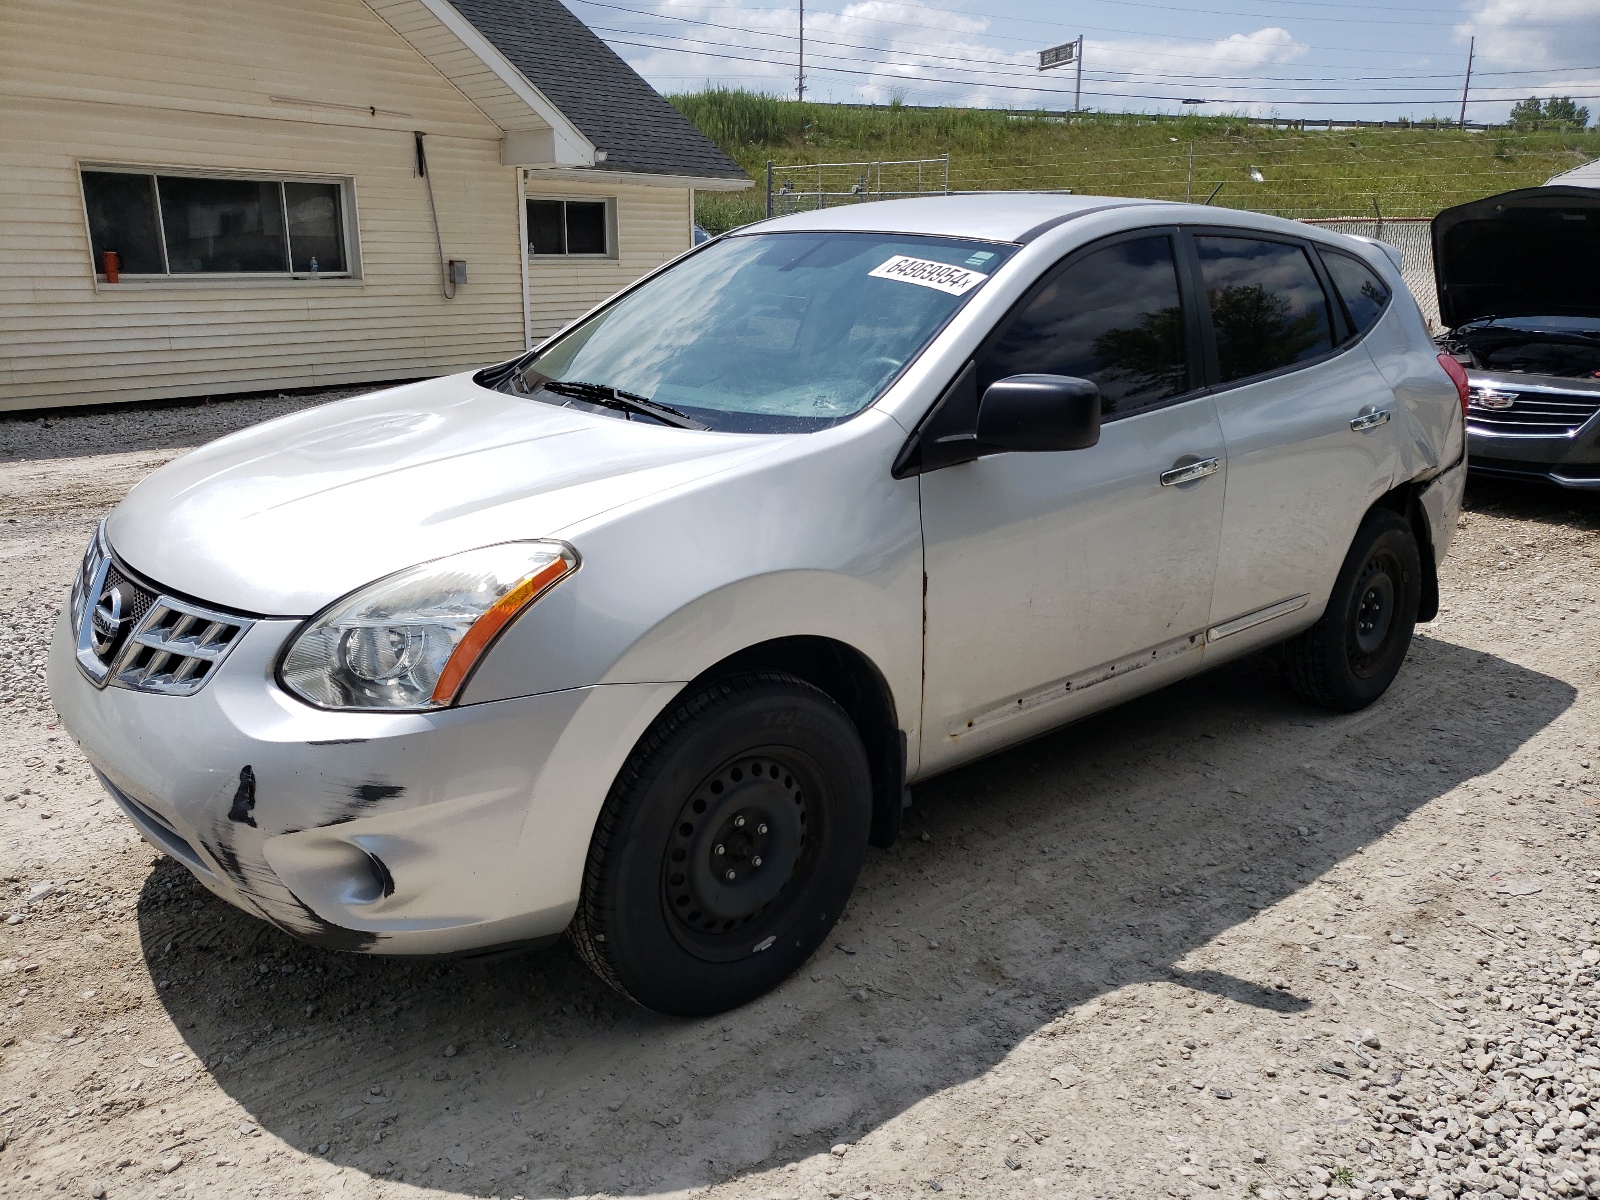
(1534, 252)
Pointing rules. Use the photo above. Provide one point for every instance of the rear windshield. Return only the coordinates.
(775, 332)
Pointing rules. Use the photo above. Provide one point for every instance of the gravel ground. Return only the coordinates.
(1213, 943)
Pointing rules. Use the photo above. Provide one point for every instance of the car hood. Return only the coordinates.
(288, 516)
(1524, 253)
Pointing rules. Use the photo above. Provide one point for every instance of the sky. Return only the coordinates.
(1286, 58)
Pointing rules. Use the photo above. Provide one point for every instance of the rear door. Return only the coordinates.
(1308, 424)
(1060, 582)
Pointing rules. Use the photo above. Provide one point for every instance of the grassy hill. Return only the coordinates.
(1306, 173)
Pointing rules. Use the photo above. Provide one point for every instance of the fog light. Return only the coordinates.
(370, 885)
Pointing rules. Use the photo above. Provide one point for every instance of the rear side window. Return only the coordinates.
(1363, 293)
(1113, 317)
(1268, 310)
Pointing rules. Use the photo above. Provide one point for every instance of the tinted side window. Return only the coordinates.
(1363, 293)
(1114, 317)
(1267, 308)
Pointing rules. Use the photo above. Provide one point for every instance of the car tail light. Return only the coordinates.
(1458, 376)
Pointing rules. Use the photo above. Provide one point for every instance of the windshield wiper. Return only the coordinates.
(607, 396)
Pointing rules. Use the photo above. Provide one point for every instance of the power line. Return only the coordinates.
(1362, 50)
(1185, 79)
(904, 79)
(914, 49)
(987, 78)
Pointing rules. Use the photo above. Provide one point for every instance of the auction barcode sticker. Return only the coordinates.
(925, 272)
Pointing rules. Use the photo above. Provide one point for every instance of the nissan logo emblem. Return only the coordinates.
(106, 621)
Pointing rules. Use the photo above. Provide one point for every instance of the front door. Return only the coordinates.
(1060, 582)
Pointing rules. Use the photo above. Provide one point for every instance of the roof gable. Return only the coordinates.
(625, 118)
(532, 66)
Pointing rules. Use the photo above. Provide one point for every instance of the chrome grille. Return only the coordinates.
(131, 635)
(1504, 410)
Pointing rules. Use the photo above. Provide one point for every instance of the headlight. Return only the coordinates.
(409, 641)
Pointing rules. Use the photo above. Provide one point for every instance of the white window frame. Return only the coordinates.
(611, 228)
(349, 228)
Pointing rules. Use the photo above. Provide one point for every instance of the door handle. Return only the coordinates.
(1189, 472)
(1370, 419)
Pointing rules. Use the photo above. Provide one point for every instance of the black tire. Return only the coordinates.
(1351, 656)
(762, 776)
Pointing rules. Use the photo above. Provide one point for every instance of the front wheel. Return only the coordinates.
(1351, 656)
(728, 846)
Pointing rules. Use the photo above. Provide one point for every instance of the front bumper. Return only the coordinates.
(1549, 433)
(404, 833)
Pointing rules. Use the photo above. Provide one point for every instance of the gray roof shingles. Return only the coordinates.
(599, 93)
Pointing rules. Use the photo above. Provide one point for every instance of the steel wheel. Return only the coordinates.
(728, 846)
(737, 846)
(1373, 622)
(1349, 657)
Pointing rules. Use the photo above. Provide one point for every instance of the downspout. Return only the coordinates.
(446, 286)
(522, 256)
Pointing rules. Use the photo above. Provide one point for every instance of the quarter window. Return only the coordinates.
(1363, 293)
(1113, 317)
(568, 227)
(1268, 309)
(193, 225)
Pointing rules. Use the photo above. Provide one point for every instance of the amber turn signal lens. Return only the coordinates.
(489, 626)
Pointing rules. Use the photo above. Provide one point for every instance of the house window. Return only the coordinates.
(569, 227)
(199, 225)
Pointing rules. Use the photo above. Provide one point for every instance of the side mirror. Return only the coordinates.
(1039, 412)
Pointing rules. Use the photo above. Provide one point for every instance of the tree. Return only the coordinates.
(1526, 114)
(1559, 112)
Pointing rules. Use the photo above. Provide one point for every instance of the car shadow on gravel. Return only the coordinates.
(1111, 853)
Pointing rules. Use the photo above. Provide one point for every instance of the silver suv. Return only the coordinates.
(643, 635)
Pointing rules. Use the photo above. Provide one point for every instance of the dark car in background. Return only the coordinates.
(1519, 295)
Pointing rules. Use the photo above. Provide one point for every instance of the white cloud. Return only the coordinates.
(1223, 72)
(1512, 35)
(1533, 33)
(950, 61)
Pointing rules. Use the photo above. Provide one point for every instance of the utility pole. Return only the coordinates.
(1472, 43)
(1077, 91)
(800, 74)
(1188, 187)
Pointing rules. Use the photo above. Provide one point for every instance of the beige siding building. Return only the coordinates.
(198, 199)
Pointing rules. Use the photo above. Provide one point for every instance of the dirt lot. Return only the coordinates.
(1212, 943)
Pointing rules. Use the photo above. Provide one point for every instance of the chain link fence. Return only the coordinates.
(806, 187)
(1414, 237)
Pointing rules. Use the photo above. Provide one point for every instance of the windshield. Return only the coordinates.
(758, 333)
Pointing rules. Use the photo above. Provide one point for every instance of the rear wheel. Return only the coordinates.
(1351, 656)
(727, 847)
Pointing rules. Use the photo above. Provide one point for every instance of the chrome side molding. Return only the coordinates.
(1261, 615)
